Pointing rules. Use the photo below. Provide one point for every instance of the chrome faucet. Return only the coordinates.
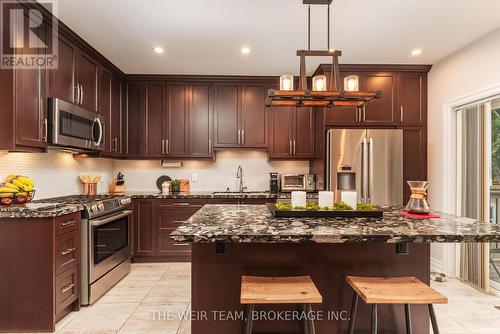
(239, 175)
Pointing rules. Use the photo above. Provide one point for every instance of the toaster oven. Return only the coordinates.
(297, 182)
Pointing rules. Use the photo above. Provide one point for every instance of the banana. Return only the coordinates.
(6, 195)
(7, 190)
(20, 184)
(12, 186)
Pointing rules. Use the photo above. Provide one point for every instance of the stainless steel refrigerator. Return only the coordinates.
(368, 161)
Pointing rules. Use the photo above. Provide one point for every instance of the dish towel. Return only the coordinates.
(419, 216)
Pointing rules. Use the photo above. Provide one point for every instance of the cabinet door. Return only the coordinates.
(105, 106)
(227, 107)
(116, 115)
(200, 120)
(155, 102)
(345, 115)
(412, 98)
(303, 141)
(144, 228)
(414, 158)
(380, 111)
(281, 132)
(87, 79)
(30, 105)
(62, 79)
(177, 120)
(254, 121)
(135, 119)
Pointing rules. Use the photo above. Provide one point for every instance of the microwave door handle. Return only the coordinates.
(98, 141)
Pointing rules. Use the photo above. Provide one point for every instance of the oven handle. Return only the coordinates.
(101, 222)
(98, 141)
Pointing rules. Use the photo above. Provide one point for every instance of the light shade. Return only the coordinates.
(286, 82)
(351, 83)
(319, 83)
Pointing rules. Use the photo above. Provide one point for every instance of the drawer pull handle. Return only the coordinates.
(178, 221)
(185, 244)
(68, 251)
(68, 223)
(67, 262)
(181, 204)
(67, 288)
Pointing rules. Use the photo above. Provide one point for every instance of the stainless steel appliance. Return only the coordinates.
(71, 126)
(369, 161)
(294, 182)
(273, 183)
(106, 245)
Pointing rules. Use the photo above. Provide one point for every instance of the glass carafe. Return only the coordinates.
(418, 199)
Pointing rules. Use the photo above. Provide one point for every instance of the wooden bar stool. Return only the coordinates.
(279, 290)
(393, 290)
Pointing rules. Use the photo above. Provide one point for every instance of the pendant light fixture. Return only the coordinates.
(324, 93)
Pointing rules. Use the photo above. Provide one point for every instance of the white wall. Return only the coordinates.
(212, 176)
(55, 173)
(465, 73)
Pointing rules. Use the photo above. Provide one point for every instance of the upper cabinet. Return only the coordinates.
(177, 124)
(134, 120)
(105, 107)
(76, 78)
(412, 98)
(200, 120)
(240, 115)
(403, 101)
(116, 116)
(291, 133)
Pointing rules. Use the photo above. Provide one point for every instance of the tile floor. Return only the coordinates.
(163, 289)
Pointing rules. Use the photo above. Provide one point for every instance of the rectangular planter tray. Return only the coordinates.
(379, 213)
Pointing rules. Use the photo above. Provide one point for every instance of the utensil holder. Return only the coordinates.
(90, 189)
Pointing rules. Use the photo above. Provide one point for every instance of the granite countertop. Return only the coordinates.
(254, 223)
(211, 194)
(39, 209)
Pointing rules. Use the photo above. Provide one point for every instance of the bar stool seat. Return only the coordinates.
(393, 290)
(257, 290)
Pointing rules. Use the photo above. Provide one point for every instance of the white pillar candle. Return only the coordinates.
(350, 198)
(298, 198)
(325, 199)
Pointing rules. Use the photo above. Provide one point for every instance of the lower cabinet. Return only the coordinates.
(155, 219)
(42, 257)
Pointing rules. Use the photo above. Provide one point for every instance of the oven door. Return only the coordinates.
(293, 182)
(73, 126)
(109, 243)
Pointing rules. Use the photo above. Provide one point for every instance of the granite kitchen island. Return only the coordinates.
(229, 241)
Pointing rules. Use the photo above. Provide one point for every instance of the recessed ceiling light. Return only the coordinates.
(158, 49)
(416, 52)
(245, 50)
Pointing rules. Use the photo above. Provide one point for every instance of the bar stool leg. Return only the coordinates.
(408, 319)
(374, 319)
(354, 309)
(435, 327)
(305, 323)
(312, 330)
(249, 319)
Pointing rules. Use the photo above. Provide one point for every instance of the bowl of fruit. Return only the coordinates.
(17, 189)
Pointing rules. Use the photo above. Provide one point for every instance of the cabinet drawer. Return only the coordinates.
(179, 202)
(67, 250)
(165, 244)
(67, 223)
(67, 288)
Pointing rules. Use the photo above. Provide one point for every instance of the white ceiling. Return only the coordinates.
(205, 36)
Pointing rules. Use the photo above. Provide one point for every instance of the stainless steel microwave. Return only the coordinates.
(71, 126)
(297, 182)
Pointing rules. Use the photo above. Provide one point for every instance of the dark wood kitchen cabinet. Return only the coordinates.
(200, 120)
(62, 83)
(291, 133)
(105, 107)
(380, 111)
(176, 135)
(240, 115)
(87, 78)
(414, 157)
(144, 228)
(343, 115)
(134, 122)
(412, 98)
(23, 107)
(155, 117)
(42, 259)
(116, 116)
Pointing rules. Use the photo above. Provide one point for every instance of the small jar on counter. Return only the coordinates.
(184, 185)
(165, 187)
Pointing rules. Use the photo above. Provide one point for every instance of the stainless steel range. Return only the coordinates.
(106, 244)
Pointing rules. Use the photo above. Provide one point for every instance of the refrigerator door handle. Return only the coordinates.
(364, 170)
(328, 185)
(370, 169)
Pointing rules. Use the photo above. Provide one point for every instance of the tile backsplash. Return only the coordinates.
(212, 176)
(55, 173)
